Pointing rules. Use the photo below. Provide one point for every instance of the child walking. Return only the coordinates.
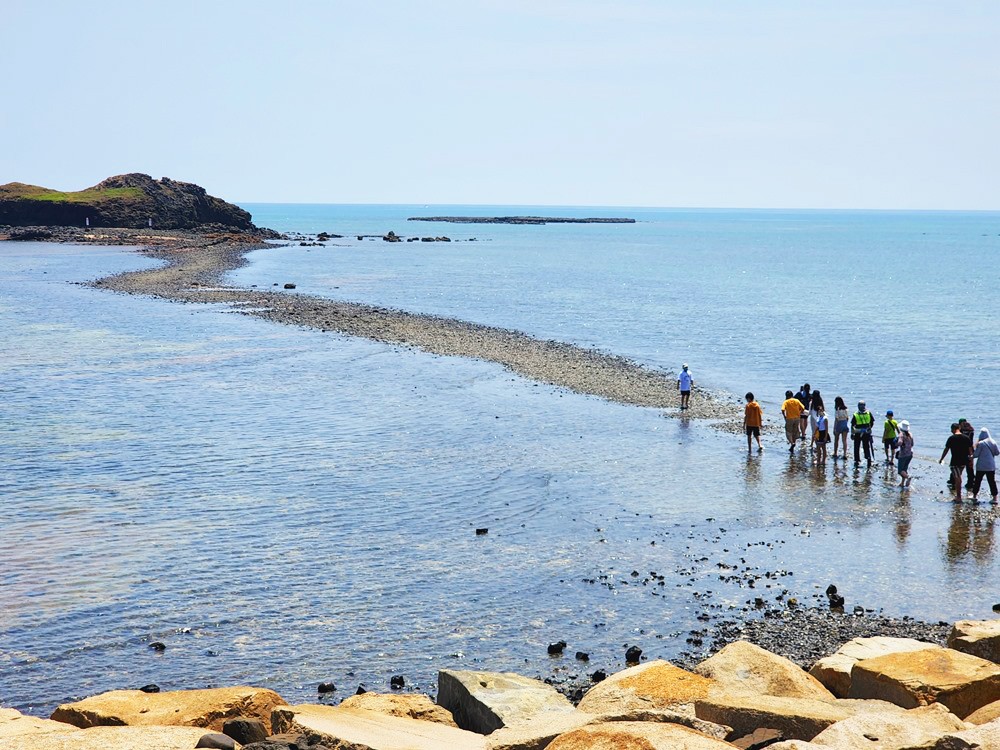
(822, 435)
(904, 454)
(753, 420)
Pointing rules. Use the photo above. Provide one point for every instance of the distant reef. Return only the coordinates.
(519, 220)
(126, 201)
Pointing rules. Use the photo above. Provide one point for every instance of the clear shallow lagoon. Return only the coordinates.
(283, 507)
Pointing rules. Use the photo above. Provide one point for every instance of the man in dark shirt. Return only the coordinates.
(966, 428)
(961, 452)
(805, 398)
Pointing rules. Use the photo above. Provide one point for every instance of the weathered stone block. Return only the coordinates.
(486, 701)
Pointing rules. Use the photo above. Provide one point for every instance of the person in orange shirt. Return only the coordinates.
(792, 410)
(753, 420)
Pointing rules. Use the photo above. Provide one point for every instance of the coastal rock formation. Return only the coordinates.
(834, 671)
(109, 738)
(961, 682)
(209, 708)
(411, 706)
(877, 730)
(128, 200)
(742, 666)
(977, 637)
(350, 728)
(15, 724)
(484, 702)
(795, 718)
(654, 685)
(633, 734)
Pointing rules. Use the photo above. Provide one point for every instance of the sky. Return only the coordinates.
(758, 103)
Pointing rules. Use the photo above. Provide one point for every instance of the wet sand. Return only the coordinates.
(195, 265)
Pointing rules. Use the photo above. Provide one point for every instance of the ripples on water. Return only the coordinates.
(283, 507)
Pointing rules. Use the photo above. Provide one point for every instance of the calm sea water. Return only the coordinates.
(282, 507)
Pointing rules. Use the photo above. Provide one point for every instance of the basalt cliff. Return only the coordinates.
(128, 200)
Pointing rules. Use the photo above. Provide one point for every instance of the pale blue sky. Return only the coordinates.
(748, 104)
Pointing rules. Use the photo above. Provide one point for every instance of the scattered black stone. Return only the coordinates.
(396, 682)
(289, 741)
(361, 690)
(599, 676)
(482, 532)
(555, 649)
(582, 656)
(996, 607)
(158, 646)
(326, 687)
(217, 741)
(30, 235)
(633, 654)
(245, 730)
(289, 286)
(520, 220)
(150, 688)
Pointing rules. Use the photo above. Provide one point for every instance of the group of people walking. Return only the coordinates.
(806, 417)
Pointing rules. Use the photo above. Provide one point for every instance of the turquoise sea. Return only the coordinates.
(282, 507)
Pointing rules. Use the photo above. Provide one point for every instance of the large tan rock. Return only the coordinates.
(985, 737)
(744, 667)
(961, 682)
(14, 724)
(795, 718)
(486, 701)
(194, 708)
(977, 637)
(654, 685)
(834, 671)
(407, 705)
(538, 733)
(358, 729)
(109, 738)
(890, 730)
(986, 714)
(636, 735)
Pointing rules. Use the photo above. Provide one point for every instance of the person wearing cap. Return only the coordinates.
(684, 384)
(861, 431)
(961, 451)
(890, 431)
(904, 453)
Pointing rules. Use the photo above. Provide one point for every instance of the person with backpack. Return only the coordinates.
(861, 432)
(890, 432)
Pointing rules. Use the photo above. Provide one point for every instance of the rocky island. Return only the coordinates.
(521, 220)
(124, 201)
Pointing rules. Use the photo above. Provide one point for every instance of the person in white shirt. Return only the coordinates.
(684, 384)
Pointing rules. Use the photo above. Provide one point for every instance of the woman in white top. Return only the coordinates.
(815, 406)
(841, 426)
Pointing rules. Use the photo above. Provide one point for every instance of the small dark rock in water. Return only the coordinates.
(157, 646)
(831, 590)
(859, 611)
(836, 601)
(556, 648)
(482, 532)
(326, 687)
(396, 682)
(361, 690)
(996, 607)
(633, 654)
(245, 730)
(599, 676)
(217, 741)
(582, 656)
(150, 688)
(289, 286)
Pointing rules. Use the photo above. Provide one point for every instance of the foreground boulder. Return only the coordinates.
(985, 737)
(13, 724)
(834, 671)
(408, 705)
(744, 667)
(794, 718)
(538, 733)
(891, 729)
(654, 685)
(961, 682)
(208, 708)
(977, 637)
(109, 738)
(634, 735)
(486, 701)
(358, 729)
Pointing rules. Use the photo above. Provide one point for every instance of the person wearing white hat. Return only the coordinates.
(685, 383)
(904, 453)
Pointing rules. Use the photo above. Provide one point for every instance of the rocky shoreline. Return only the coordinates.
(521, 220)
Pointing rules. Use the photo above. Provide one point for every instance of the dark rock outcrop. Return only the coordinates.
(128, 200)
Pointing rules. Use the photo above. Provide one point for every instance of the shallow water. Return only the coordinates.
(283, 507)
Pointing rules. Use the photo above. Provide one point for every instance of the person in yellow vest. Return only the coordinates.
(791, 409)
(861, 431)
(890, 436)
